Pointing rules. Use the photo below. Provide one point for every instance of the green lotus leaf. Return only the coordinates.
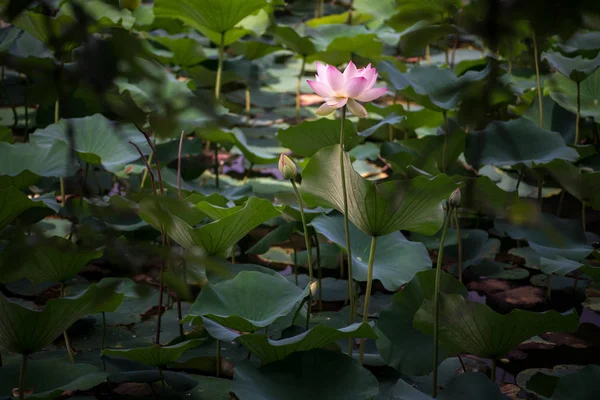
(579, 385)
(269, 350)
(576, 68)
(41, 26)
(564, 92)
(106, 15)
(341, 49)
(53, 260)
(414, 38)
(280, 234)
(401, 345)
(236, 137)
(558, 265)
(582, 41)
(289, 38)
(184, 51)
(301, 376)
(155, 356)
(235, 304)
(38, 157)
(397, 260)
(582, 185)
(253, 49)
(376, 209)
(390, 119)
(13, 203)
(49, 378)
(26, 331)
(474, 328)
(215, 237)
(466, 386)
(483, 195)
(497, 270)
(516, 141)
(306, 139)
(380, 10)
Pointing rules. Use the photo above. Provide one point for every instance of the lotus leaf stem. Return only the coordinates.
(446, 133)
(365, 318)
(578, 113)
(300, 75)
(220, 66)
(218, 359)
(179, 164)
(22, 376)
(537, 77)
(296, 265)
(308, 248)
(493, 374)
(248, 103)
(65, 335)
(319, 270)
(583, 224)
(459, 243)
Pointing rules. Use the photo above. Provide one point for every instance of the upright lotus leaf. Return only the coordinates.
(401, 345)
(26, 331)
(236, 137)
(376, 209)
(584, 186)
(269, 350)
(397, 260)
(564, 92)
(390, 119)
(580, 385)
(306, 139)
(516, 141)
(304, 375)
(44, 27)
(50, 378)
(289, 37)
(558, 265)
(215, 237)
(432, 87)
(474, 328)
(576, 68)
(466, 386)
(280, 234)
(550, 236)
(414, 38)
(211, 17)
(582, 41)
(154, 356)
(97, 140)
(12, 203)
(250, 301)
(38, 157)
(52, 260)
(185, 51)
(253, 49)
(483, 195)
(380, 10)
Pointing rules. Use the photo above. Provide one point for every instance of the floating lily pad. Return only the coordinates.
(303, 375)
(474, 328)
(235, 303)
(397, 260)
(154, 356)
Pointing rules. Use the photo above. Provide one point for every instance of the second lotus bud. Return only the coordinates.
(287, 167)
(455, 198)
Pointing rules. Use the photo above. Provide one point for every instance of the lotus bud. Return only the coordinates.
(455, 197)
(287, 167)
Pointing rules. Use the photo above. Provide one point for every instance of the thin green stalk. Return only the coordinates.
(26, 95)
(296, 265)
(539, 190)
(459, 242)
(63, 200)
(494, 364)
(218, 366)
(365, 318)
(446, 133)
(102, 342)
(436, 303)
(308, 249)
(66, 337)
(537, 77)
(560, 203)
(22, 375)
(248, 103)
(520, 179)
(578, 113)
(298, 90)
(145, 174)
(583, 215)
(162, 380)
(220, 67)
(347, 230)
(319, 270)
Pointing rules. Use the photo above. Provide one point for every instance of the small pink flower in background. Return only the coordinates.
(348, 88)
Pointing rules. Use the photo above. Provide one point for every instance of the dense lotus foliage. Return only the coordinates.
(299, 199)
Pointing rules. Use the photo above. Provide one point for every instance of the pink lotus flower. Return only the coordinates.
(340, 89)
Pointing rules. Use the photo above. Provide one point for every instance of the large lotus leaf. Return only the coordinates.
(249, 301)
(253, 49)
(580, 385)
(400, 344)
(184, 51)
(106, 15)
(516, 141)
(576, 68)
(304, 375)
(280, 234)
(474, 328)
(269, 350)
(376, 209)
(97, 140)
(582, 185)
(38, 157)
(49, 378)
(397, 260)
(382, 9)
(155, 355)
(26, 331)
(341, 49)
(289, 37)
(52, 260)
(236, 137)
(432, 87)
(215, 237)
(550, 236)
(483, 195)
(13, 203)
(414, 38)
(564, 92)
(390, 120)
(558, 265)
(555, 118)
(218, 16)
(467, 386)
(41, 26)
(306, 139)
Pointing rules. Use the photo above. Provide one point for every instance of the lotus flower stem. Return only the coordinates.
(308, 249)
(296, 265)
(537, 77)
(145, 175)
(298, 90)
(179, 164)
(216, 156)
(493, 374)
(66, 337)
(22, 376)
(248, 103)
(446, 133)
(578, 113)
(520, 179)
(428, 54)
(459, 242)
(436, 304)
(220, 67)
(347, 229)
(365, 318)
(319, 270)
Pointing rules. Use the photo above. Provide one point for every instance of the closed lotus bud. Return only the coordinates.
(455, 198)
(287, 167)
